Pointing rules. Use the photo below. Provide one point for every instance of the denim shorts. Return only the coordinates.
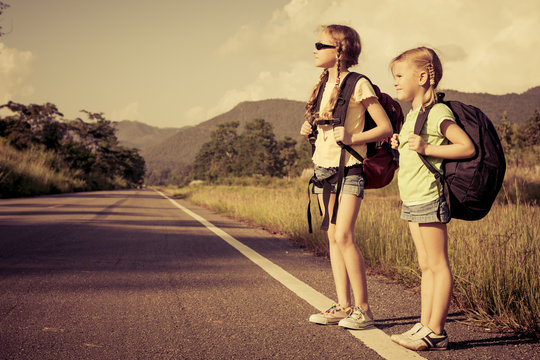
(435, 211)
(352, 184)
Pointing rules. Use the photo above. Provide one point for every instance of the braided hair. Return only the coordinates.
(425, 59)
(348, 47)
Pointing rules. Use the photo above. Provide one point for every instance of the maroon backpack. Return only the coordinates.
(381, 161)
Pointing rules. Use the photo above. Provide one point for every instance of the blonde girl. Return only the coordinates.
(336, 50)
(417, 73)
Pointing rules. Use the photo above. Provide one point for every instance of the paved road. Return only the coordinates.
(130, 275)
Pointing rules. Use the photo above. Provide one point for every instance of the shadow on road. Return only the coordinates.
(497, 340)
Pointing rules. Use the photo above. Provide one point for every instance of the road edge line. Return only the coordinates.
(373, 338)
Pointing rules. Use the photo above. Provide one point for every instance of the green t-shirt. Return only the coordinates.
(417, 184)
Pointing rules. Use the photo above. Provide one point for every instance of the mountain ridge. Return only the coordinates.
(139, 135)
(171, 148)
(180, 149)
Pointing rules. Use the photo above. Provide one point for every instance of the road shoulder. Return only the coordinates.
(395, 306)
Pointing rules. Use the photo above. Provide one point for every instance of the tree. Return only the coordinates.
(506, 133)
(91, 147)
(131, 165)
(216, 158)
(288, 156)
(304, 156)
(32, 124)
(531, 129)
(254, 152)
(180, 176)
(107, 158)
(258, 153)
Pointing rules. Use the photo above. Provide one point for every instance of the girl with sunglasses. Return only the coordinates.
(337, 49)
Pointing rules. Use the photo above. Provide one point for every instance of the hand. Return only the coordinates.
(342, 136)
(417, 143)
(306, 129)
(394, 141)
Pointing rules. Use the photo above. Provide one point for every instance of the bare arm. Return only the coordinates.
(382, 130)
(461, 146)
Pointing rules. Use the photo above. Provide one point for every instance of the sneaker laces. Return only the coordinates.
(332, 309)
(358, 313)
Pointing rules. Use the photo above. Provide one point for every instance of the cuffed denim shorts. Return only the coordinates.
(352, 184)
(435, 211)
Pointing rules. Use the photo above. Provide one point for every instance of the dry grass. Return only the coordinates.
(494, 260)
(30, 172)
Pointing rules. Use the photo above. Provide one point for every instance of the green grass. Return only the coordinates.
(494, 260)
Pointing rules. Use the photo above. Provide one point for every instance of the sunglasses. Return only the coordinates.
(320, 46)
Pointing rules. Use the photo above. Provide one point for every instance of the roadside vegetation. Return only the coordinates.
(41, 153)
(30, 172)
(494, 260)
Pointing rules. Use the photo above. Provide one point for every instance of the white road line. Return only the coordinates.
(373, 338)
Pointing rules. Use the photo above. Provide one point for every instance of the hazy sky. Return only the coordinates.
(178, 62)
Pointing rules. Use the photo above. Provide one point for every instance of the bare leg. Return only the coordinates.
(354, 261)
(435, 239)
(426, 284)
(341, 279)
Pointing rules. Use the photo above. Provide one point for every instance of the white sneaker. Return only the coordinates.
(398, 338)
(331, 316)
(359, 319)
(425, 339)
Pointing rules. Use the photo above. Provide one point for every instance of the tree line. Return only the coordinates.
(515, 137)
(90, 148)
(256, 151)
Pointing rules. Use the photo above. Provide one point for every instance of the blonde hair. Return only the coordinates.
(424, 59)
(348, 47)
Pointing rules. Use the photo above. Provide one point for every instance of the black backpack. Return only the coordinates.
(470, 185)
(381, 161)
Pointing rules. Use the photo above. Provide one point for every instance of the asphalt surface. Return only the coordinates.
(127, 275)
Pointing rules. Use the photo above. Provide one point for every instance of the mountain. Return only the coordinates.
(139, 135)
(181, 148)
(518, 107)
(171, 148)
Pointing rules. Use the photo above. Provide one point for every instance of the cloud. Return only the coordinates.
(480, 52)
(15, 68)
(196, 115)
(286, 84)
(452, 52)
(246, 34)
(128, 112)
(493, 51)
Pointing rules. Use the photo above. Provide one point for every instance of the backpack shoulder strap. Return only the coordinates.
(439, 178)
(340, 112)
(347, 89)
(317, 106)
(339, 115)
(418, 126)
